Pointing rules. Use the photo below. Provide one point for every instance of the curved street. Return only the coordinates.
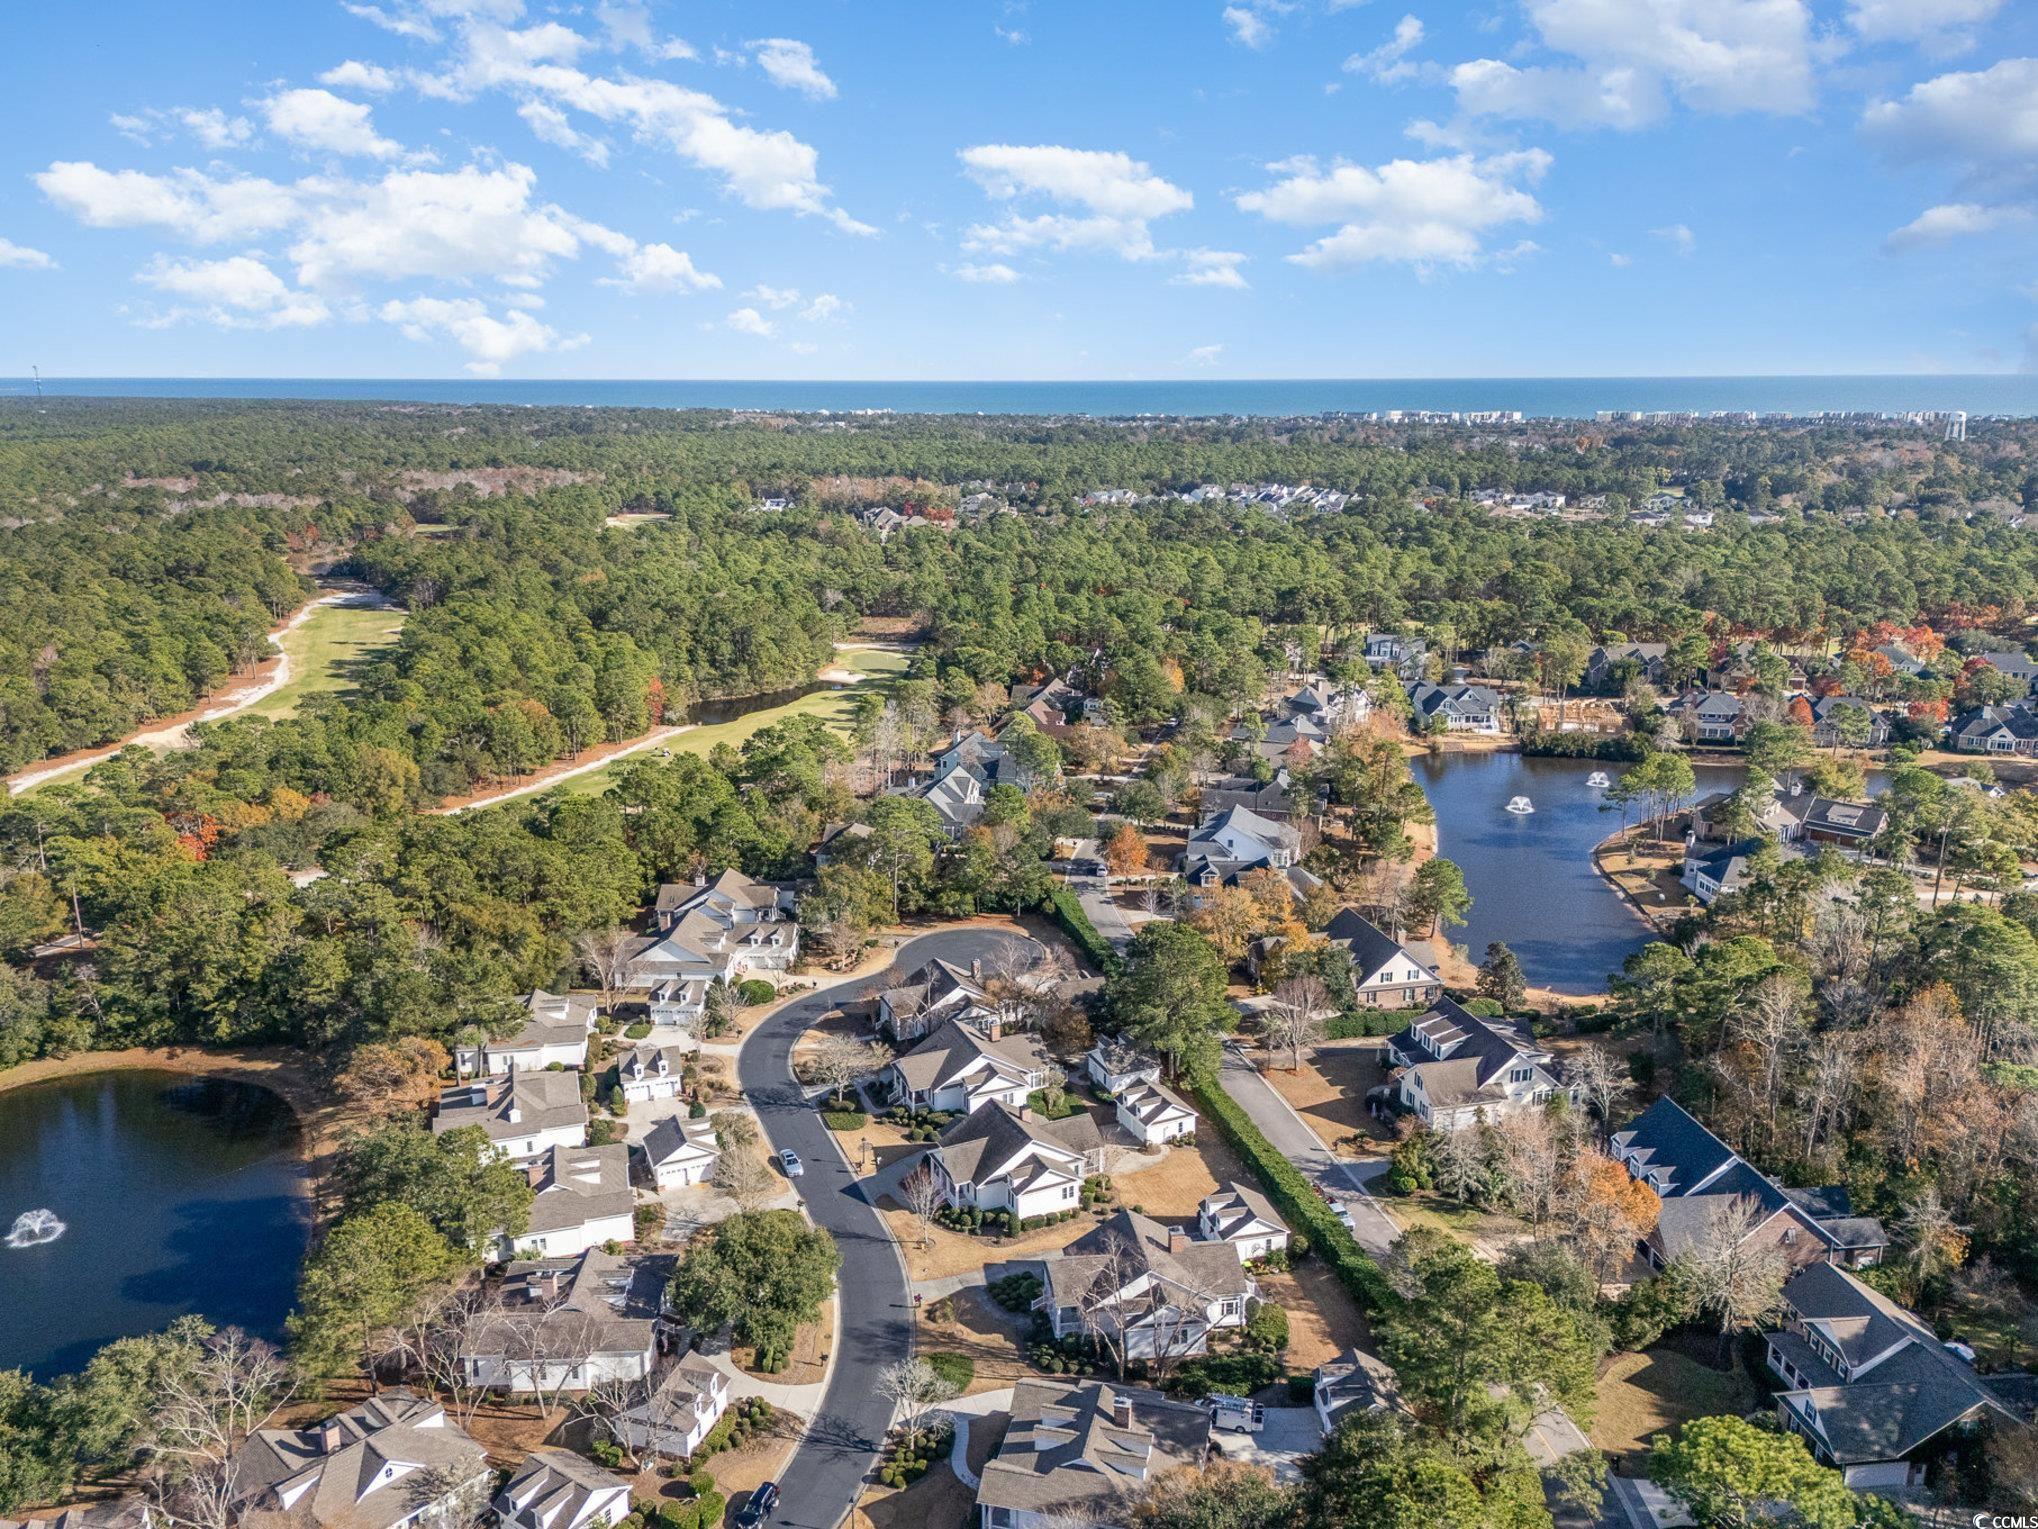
(826, 1474)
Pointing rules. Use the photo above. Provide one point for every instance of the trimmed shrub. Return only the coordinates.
(638, 1031)
(844, 1120)
(956, 1369)
(1016, 1292)
(1266, 1329)
(1067, 910)
(755, 990)
(1365, 1024)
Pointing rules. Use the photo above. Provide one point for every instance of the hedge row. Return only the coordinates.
(1366, 1024)
(1067, 909)
(1294, 1196)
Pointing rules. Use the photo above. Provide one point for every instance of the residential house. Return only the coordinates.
(393, 1461)
(2020, 667)
(1791, 815)
(1710, 873)
(558, 1489)
(645, 1073)
(837, 840)
(1609, 666)
(957, 797)
(1330, 705)
(1871, 1389)
(1696, 1175)
(1243, 1218)
(1234, 841)
(690, 1399)
(678, 1152)
(972, 748)
(525, 1114)
(1711, 716)
(1283, 741)
(553, 1035)
(1384, 974)
(1278, 798)
(1346, 1387)
(1051, 706)
(958, 1068)
(719, 931)
(1995, 730)
(1152, 1114)
(1079, 1451)
(1456, 708)
(132, 1512)
(580, 1199)
(1403, 655)
(1113, 1065)
(1005, 1158)
(1851, 825)
(568, 1324)
(1155, 1290)
(1829, 731)
(938, 991)
(1456, 1069)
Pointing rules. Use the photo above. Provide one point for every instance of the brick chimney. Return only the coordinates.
(1121, 1410)
(976, 970)
(331, 1437)
(1178, 1238)
(995, 1030)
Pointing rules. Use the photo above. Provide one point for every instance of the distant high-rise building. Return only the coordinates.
(1956, 425)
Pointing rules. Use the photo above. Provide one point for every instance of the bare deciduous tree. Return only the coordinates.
(1729, 1271)
(914, 1390)
(839, 1060)
(1601, 1079)
(200, 1420)
(1299, 1015)
(735, 1130)
(605, 953)
(604, 1405)
(745, 1178)
(920, 1193)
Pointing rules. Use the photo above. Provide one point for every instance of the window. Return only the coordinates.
(1069, 1193)
(1521, 1075)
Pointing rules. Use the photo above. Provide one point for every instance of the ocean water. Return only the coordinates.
(1544, 397)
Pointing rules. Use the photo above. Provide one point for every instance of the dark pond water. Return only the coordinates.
(1531, 877)
(176, 1195)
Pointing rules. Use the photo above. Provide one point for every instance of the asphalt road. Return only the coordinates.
(828, 1469)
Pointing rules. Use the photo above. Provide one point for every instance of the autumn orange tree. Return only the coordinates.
(1610, 1213)
(1125, 852)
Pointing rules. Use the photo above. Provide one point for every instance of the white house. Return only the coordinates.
(1240, 839)
(524, 1114)
(958, 1068)
(394, 1461)
(1245, 1219)
(1384, 974)
(722, 930)
(554, 1035)
(1456, 1069)
(566, 1325)
(1114, 1066)
(652, 1072)
(938, 991)
(1155, 1289)
(557, 1489)
(1154, 1115)
(580, 1199)
(1077, 1452)
(679, 1152)
(1006, 1159)
(689, 1401)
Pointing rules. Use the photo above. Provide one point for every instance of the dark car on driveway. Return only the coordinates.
(759, 1507)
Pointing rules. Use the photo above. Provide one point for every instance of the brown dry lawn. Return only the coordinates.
(1329, 1091)
(938, 1500)
(982, 1331)
(1322, 1320)
(812, 1345)
(737, 1472)
(952, 1253)
(1640, 1395)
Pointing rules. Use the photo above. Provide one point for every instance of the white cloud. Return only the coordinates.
(1251, 21)
(318, 119)
(238, 292)
(459, 225)
(773, 297)
(24, 258)
(1954, 220)
(1939, 26)
(189, 203)
(1117, 196)
(750, 321)
(490, 342)
(790, 65)
(660, 268)
(1619, 262)
(208, 124)
(992, 273)
(551, 125)
(1203, 355)
(1677, 236)
(403, 26)
(629, 26)
(1010, 35)
(1978, 117)
(1711, 55)
(1210, 268)
(1418, 212)
(1389, 61)
(825, 306)
(355, 75)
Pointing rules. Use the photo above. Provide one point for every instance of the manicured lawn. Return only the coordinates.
(831, 706)
(1640, 1395)
(326, 652)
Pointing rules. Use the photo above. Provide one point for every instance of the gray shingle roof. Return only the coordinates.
(1071, 1446)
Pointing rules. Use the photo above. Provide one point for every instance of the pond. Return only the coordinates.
(164, 1194)
(1531, 877)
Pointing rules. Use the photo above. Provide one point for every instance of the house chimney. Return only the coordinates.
(995, 1030)
(331, 1437)
(1178, 1238)
(1121, 1410)
(976, 970)
(1025, 1112)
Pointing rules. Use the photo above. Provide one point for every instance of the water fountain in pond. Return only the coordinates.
(33, 1228)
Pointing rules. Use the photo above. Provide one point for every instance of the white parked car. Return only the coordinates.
(789, 1160)
(1235, 1414)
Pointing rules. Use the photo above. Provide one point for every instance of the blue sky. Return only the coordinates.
(1054, 189)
